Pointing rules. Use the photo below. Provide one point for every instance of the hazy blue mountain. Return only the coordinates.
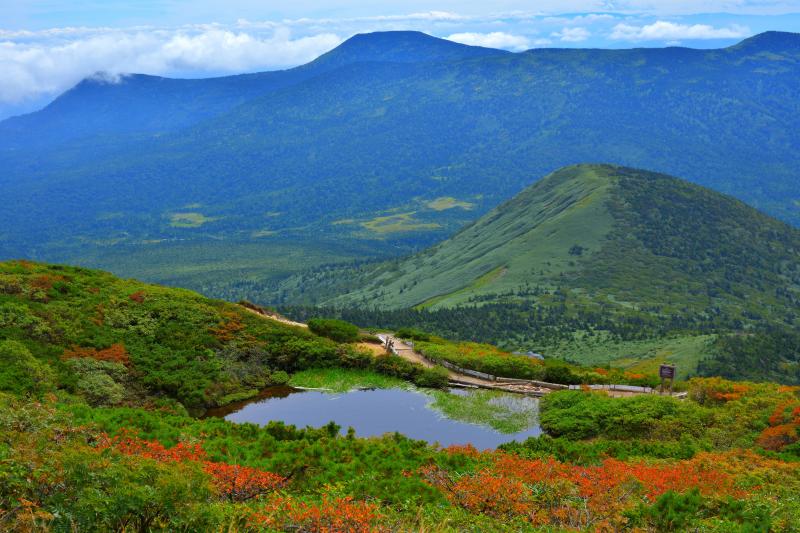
(394, 139)
(400, 47)
(118, 105)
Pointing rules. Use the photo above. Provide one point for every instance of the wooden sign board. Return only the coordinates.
(666, 372)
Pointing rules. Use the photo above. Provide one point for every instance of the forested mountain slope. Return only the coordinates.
(396, 140)
(607, 234)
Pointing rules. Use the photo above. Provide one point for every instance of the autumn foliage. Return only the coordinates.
(45, 282)
(228, 328)
(331, 515)
(237, 483)
(549, 492)
(717, 390)
(233, 483)
(115, 353)
(784, 427)
(138, 297)
(241, 483)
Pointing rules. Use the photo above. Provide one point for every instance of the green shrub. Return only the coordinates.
(413, 334)
(673, 511)
(21, 372)
(334, 329)
(392, 365)
(435, 378)
(483, 358)
(352, 357)
(581, 415)
(99, 382)
(370, 338)
(560, 373)
(279, 377)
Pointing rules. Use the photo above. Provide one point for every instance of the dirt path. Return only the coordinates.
(408, 353)
(274, 316)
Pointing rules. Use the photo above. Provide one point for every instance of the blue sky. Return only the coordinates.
(46, 46)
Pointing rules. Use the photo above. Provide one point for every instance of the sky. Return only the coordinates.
(47, 46)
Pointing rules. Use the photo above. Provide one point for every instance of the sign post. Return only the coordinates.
(666, 372)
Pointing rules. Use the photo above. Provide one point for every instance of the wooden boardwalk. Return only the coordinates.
(462, 378)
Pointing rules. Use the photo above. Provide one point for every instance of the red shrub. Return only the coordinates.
(137, 297)
(115, 353)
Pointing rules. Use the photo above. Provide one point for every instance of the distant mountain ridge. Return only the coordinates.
(144, 104)
(388, 143)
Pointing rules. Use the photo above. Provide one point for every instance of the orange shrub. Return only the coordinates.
(784, 427)
(716, 390)
(467, 450)
(129, 444)
(115, 353)
(633, 375)
(229, 327)
(337, 515)
(137, 297)
(776, 437)
(235, 483)
(45, 282)
(241, 483)
(549, 492)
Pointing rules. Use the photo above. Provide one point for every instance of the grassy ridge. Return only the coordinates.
(616, 238)
(123, 342)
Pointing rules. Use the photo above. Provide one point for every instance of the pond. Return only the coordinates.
(410, 412)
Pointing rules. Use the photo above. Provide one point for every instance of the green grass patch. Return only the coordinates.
(482, 281)
(189, 220)
(401, 222)
(444, 203)
(343, 380)
(642, 356)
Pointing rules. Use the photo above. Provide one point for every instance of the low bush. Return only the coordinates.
(413, 334)
(582, 415)
(435, 378)
(392, 365)
(21, 372)
(334, 329)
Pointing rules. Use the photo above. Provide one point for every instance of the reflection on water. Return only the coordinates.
(370, 413)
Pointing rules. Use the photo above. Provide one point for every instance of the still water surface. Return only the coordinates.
(369, 413)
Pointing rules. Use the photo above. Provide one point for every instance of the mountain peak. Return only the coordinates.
(401, 47)
(773, 41)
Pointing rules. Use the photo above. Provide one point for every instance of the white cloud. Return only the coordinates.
(572, 35)
(671, 31)
(495, 39)
(590, 18)
(31, 69)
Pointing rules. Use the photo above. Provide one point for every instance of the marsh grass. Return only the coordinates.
(506, 413)
(343, 380)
